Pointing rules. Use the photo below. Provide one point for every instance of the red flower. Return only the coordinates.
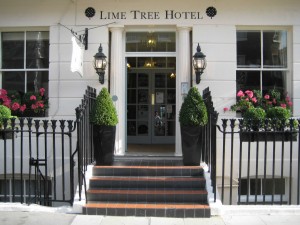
(249, 93)
(22, 108)
(240, 94)
(283, 105)
(32, 97)
(267, 97)
(15, 106)
(42, 91)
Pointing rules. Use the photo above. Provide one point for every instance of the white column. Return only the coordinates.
(117, 85)
(183, 73)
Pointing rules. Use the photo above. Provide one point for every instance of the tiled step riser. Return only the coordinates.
(98, 171)
(144, 184)
(146, 212)
(161, 198)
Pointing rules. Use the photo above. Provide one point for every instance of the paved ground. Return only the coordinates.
(50, 218)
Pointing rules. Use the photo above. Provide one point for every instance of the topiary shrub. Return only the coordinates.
(254, 117)
(193, 111)
(279, 116)
(104, 111)
(5, 113)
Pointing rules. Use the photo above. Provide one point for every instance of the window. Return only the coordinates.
(150, 42)
(24, 60)
(262, 60)
(262, 187)
(17, 190)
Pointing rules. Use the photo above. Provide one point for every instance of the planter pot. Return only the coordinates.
(104, 144)
(191, 140)
(267, 136)
(7, 134)
(29, 113)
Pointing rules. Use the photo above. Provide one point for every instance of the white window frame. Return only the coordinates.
(287, 70)
(24, 30)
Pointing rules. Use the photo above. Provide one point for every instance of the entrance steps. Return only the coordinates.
(147, 187)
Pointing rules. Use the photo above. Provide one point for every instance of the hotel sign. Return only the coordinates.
(151, 15)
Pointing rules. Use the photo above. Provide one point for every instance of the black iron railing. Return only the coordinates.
(209, 146)
(85, 148)
(41, 161)
(261, 165)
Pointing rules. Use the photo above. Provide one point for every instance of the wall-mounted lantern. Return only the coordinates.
(100, 64)
(199, 63)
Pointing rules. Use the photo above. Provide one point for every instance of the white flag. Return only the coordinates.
(77, 57)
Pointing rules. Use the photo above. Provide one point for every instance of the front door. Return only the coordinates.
(151, 104)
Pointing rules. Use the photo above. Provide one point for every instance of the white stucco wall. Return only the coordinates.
(216, 36)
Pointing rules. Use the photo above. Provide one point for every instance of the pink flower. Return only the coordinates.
(287, 98)
(226, 109)
(3, 92)
(15, 106)
(33, 106)
(274, 101)
(40, 104)
(290, 104)
(240, 94)
(42, 91)
(32, 97)
(22, 108)
(7, 102)
(249, 93)
(267, 97)
(283, 105)
(247, 99)
(254, 100)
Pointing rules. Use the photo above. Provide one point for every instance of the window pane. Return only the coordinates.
(247, 80)
(131, 96)
(13, 50)
(275, 49)
(150, 42)
(268, 189)
(131, 83)
(279, 186)
(274, 80)
(131, 128)
(244, 185)
(37, 49)
(12, 81)
(248, 49)
(255, 185)
(37, 80)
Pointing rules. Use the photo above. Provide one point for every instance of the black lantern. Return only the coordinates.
(199, 63)
(100, 64)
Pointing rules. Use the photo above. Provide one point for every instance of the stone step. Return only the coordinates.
(139, 171)
(154, 196)
(148, 210)
(147, 182)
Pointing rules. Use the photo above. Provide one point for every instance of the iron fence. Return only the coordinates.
(261, 165)
(209, 145)
(39, 163)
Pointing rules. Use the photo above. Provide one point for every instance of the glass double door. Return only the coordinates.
(151, 106)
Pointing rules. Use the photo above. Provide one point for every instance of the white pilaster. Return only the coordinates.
(117, 85)
(183, 70)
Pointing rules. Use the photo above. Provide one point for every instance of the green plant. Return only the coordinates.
(193, 111)
(30, 101)
(279, 116)
(254, 117)
(248, 99)
(104, 111)
(5, 113)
